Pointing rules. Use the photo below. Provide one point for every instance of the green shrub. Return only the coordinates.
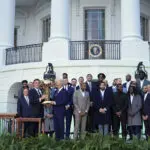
(91, 142)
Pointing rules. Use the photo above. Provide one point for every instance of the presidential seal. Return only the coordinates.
(95, 50)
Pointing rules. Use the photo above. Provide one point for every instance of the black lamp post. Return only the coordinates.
(49, 74)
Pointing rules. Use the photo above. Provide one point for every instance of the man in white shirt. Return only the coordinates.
(24, 110)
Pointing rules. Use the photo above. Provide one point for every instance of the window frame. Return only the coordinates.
(44, 38)
(84, 21)
(146, 38)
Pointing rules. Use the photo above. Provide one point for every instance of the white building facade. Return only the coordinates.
(35, 32)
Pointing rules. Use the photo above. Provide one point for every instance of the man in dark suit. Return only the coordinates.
(146, 111)
(101, 77)
(142, 82)
(102, 102)
(59, 103)
(74, 83)
(36, 99)
(81, 81)
(65, 76)
(24, 110)
(120, 105)
(69, 106)
(89, 88)
(127, 83)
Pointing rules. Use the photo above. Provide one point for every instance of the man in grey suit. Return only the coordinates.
(134, 113)
(81, 101)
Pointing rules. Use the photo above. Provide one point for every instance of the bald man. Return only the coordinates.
(59, 103)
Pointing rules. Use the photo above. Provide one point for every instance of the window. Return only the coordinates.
(94, 24)
(144, 28)
(46, 28)
(15, 36)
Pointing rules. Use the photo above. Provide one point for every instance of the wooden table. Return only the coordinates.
(23, 120)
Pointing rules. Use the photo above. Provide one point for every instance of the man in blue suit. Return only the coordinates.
(102, 103)
(36, 99)
(59, 103)
(69, 106)
(24, 109)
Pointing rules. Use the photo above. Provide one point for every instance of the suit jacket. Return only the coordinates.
(98, 103)
(90, 91)
(134, 111)
(145, 83)
(146, 106)
(37, 107)
(23, 109)
(81, 103)
(61, 99)
(70, 92)
(120, 103)
(125, 90)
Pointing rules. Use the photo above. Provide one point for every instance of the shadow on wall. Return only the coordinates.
(12, 97)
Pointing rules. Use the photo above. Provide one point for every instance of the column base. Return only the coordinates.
(56, 49)
(135, 50)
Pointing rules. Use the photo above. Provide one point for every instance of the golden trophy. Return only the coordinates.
(49, 75)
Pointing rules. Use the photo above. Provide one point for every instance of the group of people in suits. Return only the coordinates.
(93, 105)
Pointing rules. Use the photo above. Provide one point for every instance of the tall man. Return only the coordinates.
(36, 99)
(59, 103)
(120, 105)
(81, 101)
(24, 110)
(89, 88)
(102, 102)
(69, 106)
(146, 111)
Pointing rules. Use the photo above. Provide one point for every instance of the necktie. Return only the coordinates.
(90, 86)
(39, 93)
(27, 99)
(102, 95)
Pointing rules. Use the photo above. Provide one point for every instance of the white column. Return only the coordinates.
(7, 20)
(130, 19)
(133, 48)
(58, 46)
(60, 19)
